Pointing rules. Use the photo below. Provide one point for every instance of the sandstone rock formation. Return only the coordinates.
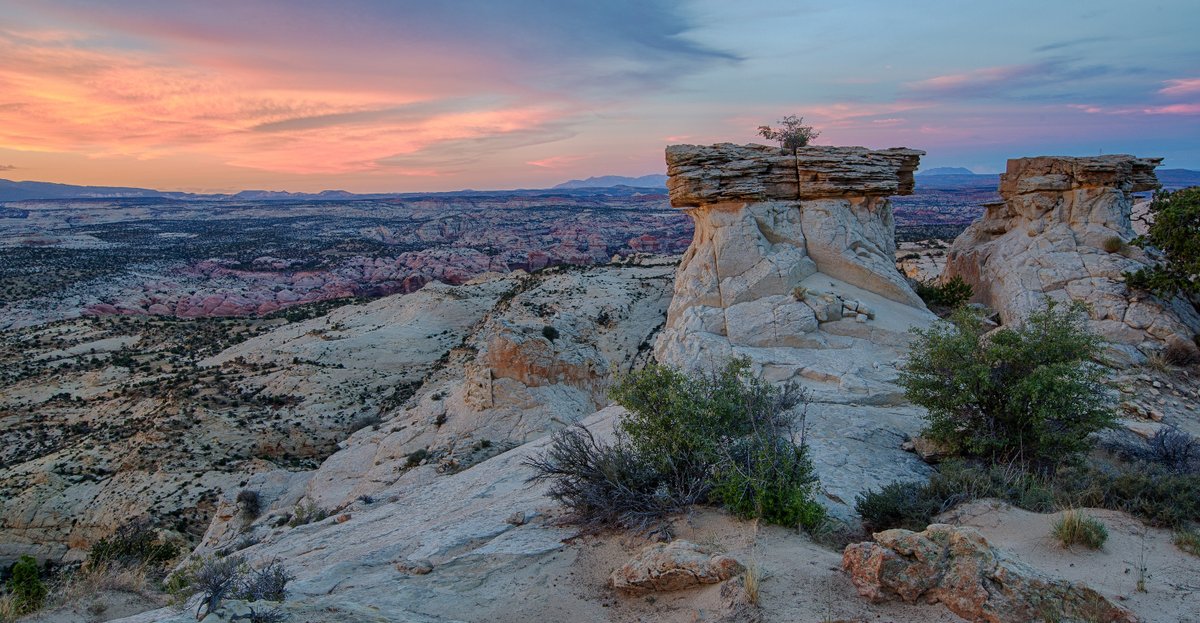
(957, 567)
(501, 385)
(673, 566)
(1047, 240)
(792, 264)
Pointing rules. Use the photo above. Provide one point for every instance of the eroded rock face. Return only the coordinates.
(792, 265)
(673, 566)
(1047, 239)
(957, 567)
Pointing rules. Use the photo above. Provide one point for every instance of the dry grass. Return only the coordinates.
(92, 580)
(1076, 528)
(753, 579)
(8, 608)
(1188, 541)
(1159, 363)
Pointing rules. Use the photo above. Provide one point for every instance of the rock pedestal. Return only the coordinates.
(792, 266)
(1062, 232)
(777, 233)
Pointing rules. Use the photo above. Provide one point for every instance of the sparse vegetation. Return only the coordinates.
(1113, 244)
(550, 333)
(723, 437)
(135, 543)
(1188, 540)
(1174, 232)
(230, 577)
(1027, 393)
(1155, 495)
(1076, 528)
(791, 134)
(950, 295)
(306, 513)
(27, 590)
(249, 504)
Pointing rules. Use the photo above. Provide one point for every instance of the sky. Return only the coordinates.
(379, 96)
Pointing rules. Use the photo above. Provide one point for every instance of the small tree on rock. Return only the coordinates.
(791, 134)
(1175, 231)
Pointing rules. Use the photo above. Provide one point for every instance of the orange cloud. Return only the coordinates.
(57, 96)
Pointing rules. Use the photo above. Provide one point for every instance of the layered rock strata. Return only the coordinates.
(1062, 232)
(792, 265)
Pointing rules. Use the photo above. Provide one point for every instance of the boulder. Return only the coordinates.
(957, 567)
(673, 566)
(1047, 238)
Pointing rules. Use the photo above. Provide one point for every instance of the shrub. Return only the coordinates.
(791, 134)
(1147, 491)
(953, 294)
(266, 583)
(1076, 528)
(1113, 244)
(723, 437)
(1174, 449)
(249, 503)
(1175, 232)
(604, 484)
(913, 505)
(1027, 393)
(306, 513)
(134, 543)
(766, 475)
(27, 588)
(550, 333)
(1181, 354)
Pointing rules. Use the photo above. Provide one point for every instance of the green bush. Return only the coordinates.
(550, 333)
(913, 505)
(134, 543)
(1027, 393)
(768, 476)
(951, 295)
(1174, 231)
(723, 437)
(26, 586)
(1159, 497)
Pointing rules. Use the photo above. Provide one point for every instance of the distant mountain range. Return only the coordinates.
(947, 171)
(604, 181)
(938, 177)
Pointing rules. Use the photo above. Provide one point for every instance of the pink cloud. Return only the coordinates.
(1173, 109)
(1181, 86)
(556, 162)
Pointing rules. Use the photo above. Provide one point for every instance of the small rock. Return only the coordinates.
(860, 318)
(517, 518)
(343, 518)
(414, 567)
(673, 566)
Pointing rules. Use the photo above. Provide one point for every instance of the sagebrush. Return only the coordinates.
(724, 437)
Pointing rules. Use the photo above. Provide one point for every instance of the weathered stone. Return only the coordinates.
(957, 567)
(1047, 238)
(672, 566)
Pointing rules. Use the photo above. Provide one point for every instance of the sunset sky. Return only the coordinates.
(219, 95)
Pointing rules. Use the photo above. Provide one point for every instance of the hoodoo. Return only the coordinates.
(1062, 233)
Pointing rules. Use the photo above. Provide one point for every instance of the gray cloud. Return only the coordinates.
(1070, 43)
